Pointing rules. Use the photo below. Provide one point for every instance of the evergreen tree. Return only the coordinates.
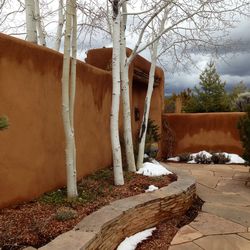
(210, 95)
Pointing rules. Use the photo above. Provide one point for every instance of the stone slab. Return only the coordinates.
(237, 214)
(227, 242)
(209, 181)
(73, 240)
(240, 168)
(241, 176)
(245, 235)
(201, 172)
(186, 234)
(208, 224)
(215, 196)
(185, 246)
(99, 219)
(234, 186)
(218, 167)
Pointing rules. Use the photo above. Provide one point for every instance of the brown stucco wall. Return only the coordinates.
(32, 159)
(206, 131)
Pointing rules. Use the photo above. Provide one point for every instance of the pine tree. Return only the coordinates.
(210, 95)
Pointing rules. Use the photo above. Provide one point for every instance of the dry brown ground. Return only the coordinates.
(37, 222)
(165, 231)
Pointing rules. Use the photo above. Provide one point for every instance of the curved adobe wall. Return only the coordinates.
(107, 227)
(204, 131)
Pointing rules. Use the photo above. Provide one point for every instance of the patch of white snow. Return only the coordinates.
(131, 242)
(234, 159)
(191, 162)
(155, 162)
(177, 158)
(152, 169)
(151, 188)
(203, 152)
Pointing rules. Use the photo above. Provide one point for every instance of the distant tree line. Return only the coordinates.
(210, 95)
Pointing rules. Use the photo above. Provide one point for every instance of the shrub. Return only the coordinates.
(4, 122)
(202, 159)
(242, 102)
(184, 157)
(153, 134)
(169, 139)
(219, 158)
(65, 213)
(244, 130)
(152, 139)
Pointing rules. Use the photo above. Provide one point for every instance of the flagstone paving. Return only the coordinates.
(224, 222)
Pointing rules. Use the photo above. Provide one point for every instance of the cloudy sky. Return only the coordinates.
(232, 67)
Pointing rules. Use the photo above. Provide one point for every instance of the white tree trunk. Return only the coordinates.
(129, 148)
(30, 21)
(114, 117)
(154, 55)
(144, 125)
(73, 75)
(68, 129)
(39, 24)
(60, 26)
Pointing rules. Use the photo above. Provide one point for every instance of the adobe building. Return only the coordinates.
(32, 157)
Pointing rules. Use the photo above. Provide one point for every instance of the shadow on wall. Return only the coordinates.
(215, 132)
(32, 149)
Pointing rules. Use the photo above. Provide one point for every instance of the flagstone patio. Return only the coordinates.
(224, 222)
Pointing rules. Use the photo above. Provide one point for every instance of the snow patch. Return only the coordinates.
(151, 188)
(153, 169)
(203, 152)
(131, 242)
(177, 158)
(234, 159)
(191, 162)
(155, 162)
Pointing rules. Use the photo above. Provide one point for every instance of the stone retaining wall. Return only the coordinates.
(107, 227)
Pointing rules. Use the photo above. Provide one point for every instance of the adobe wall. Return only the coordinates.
(204, 131)
(102, 58)
(32, 158)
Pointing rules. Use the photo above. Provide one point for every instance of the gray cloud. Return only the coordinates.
(233, 63)
(236, 65)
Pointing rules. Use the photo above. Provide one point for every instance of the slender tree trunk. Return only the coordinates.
(154, 54)
(68, 129)
(30, 21)
(143, 129)
(129, 148)
(39, 24)
(114, 117)
(60, 26)
(73, 75)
